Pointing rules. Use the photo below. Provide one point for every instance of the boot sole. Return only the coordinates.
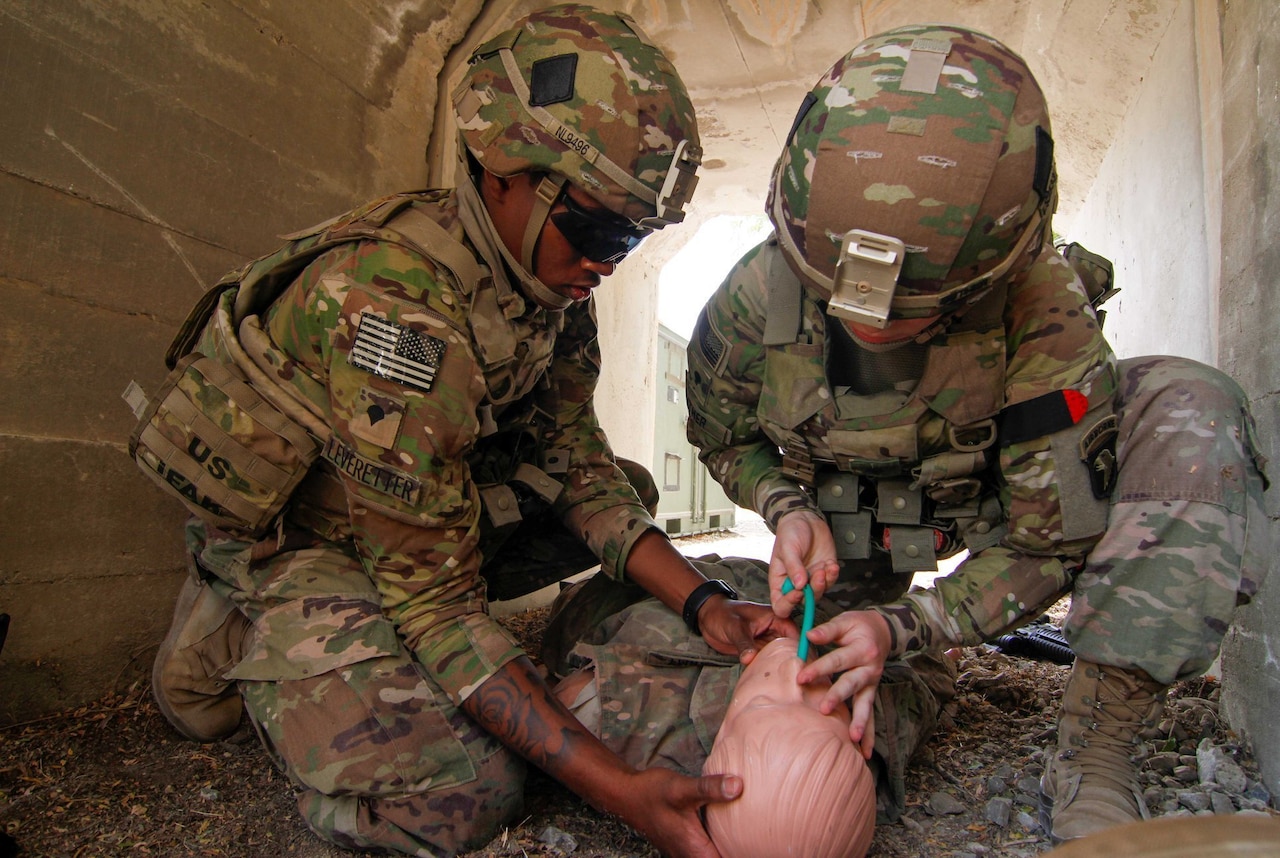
(1046, 819)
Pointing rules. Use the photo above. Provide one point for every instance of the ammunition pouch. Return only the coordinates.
(944, 507)
(529, 492)
(514, 475)
(524, 547)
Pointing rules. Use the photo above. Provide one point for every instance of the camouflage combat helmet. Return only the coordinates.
(585, 97)
(918, 172)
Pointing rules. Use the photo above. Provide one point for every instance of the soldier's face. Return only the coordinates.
(557, 263)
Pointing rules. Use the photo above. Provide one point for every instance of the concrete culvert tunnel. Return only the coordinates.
(149, 147)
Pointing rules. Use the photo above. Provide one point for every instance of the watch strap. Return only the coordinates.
(698, 598)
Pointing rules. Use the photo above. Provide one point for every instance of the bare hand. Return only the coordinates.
(805, 553)
(741, 628)
(664, 808)
(862, 642)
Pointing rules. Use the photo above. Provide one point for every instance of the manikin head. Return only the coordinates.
(806, 789)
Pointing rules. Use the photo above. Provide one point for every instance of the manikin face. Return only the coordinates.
(806, 788)
(557, 263)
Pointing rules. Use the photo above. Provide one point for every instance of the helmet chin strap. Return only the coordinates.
(545, 196)
(531, 286)
(895, 344)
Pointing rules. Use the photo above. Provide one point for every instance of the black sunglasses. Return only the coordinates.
(598, 234)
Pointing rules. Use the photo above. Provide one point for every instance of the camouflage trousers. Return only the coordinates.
(380, 757)
(659, 693)
(1187, 533)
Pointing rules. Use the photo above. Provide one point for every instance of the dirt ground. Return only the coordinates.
(113, 779)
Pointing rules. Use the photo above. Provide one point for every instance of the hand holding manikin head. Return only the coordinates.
(807, 790)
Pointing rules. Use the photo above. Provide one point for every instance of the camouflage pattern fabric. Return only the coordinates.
(663, 692)
(401, 450)
(952, 162)
(1188, 539)
(369, 601)
(749, 402)
(379, 754)
(634, 120)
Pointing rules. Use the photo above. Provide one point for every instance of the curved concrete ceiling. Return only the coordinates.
(748, 64)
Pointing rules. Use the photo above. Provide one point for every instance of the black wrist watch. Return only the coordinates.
(698, 598)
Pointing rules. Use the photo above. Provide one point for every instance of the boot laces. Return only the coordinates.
(1108, 745)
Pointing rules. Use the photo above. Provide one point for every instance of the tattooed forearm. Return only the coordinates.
(516, 706)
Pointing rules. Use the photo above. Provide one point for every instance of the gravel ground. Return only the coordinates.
(112, 778)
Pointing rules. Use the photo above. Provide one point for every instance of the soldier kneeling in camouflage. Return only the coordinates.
(389, 421)
(908, 369)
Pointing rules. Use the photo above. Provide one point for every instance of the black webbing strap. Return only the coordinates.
(1044, 415)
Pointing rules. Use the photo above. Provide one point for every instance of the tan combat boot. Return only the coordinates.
(1091, 781)
(205, 641)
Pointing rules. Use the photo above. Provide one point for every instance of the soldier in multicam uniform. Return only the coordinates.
(908, 369)
(443, 353)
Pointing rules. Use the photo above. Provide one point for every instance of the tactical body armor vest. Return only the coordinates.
(233, 443)
(905, 470)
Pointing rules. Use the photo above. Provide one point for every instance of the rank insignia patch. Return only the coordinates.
(396, 352)
(377, 417)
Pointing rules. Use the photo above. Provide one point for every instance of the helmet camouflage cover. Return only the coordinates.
(584, 95)
(926, 148)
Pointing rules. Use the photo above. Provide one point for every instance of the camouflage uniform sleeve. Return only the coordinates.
(1054, 344)
(402, 420)
(598, 503)
(726, 364)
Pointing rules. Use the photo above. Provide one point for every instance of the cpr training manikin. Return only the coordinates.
(807, 791)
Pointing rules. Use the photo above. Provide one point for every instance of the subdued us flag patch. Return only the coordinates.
(396, 352)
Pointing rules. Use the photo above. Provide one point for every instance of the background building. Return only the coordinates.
(690, 501)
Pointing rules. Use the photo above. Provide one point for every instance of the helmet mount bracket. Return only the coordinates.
(677, 188)
(866, 278)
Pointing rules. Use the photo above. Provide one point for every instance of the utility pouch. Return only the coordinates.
(1095, 272)
(528, 489)
(228, 454)
(912, 549)
(852, 534)
(898, 503)
(837, 491)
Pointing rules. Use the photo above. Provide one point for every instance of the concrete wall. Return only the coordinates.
(147, 146)
(1147, 215)
(1249, 307)
(1195, 235)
